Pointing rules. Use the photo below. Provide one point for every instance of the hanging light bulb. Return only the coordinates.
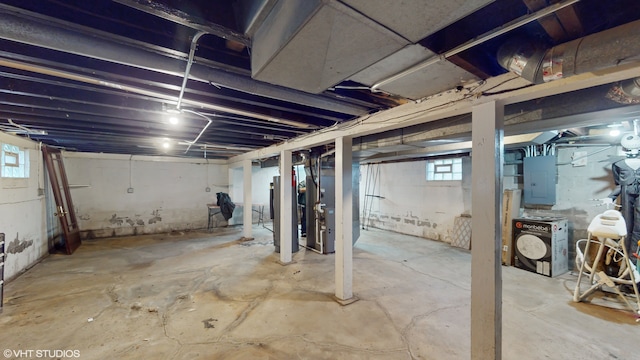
(615, 129)
(165, 144)
(174, 115)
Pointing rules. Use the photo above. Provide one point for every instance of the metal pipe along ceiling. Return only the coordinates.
(594, 52)
(192, 53)
(209, 121)
(16, 26)
(95, 81)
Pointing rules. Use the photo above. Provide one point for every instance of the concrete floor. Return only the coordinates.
(201, 295)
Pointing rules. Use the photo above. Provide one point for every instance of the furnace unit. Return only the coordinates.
(321, 209)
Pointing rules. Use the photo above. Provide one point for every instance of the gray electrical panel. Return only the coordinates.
(539, 180)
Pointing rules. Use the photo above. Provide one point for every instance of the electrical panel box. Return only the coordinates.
(539, 180)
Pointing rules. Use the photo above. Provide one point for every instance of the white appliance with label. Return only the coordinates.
(541, 245)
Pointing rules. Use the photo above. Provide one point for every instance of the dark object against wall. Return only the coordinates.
(226, 205)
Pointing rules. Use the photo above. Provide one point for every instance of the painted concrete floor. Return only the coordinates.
(200, 295)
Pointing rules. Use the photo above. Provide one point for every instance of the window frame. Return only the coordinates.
(444, 169)
(19, 166)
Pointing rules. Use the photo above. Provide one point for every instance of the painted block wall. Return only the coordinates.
(408, 203)
(409, 200)
(22, 212)
(577, 186)
(168, 193)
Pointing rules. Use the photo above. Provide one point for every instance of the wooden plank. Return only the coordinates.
(550, 23)
(510, 210)
(570, 21)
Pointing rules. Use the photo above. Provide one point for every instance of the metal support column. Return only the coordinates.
(487, 127)
(286, 215)
(248, 210)
(344, 215)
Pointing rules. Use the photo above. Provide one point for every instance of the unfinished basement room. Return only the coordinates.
(320, 179)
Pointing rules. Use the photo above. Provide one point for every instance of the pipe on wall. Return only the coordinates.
(594, 52)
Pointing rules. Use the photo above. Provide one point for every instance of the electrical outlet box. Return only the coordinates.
(130, 190)
(207, 189)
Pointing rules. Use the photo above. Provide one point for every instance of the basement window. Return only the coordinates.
(14, 162)
(444, 169)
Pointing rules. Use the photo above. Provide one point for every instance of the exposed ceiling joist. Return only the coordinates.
(102, 67)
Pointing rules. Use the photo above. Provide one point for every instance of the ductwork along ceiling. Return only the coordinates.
(105, 76)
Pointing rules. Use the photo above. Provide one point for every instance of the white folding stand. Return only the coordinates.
(605, 260)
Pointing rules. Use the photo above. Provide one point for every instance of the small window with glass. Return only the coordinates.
(444, 169)
(14, 162)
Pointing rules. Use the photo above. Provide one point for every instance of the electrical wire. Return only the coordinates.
(400, 119)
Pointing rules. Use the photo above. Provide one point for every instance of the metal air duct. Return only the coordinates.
(631, 88)
(594, 52)
(17, 25)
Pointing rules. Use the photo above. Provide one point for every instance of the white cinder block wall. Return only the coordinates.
(168, 193)
(409, 204)
(405, 202)
(578, 185)
(23, 212)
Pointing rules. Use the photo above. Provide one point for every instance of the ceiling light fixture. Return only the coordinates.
(174, 115)
(174, 119)
(615, 129)
(165, 143)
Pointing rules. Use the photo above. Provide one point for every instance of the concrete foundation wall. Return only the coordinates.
(168, 193)
(22, 212)
(405, 202)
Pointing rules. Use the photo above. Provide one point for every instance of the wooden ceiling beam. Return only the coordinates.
(551, 24)
(570, 21)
